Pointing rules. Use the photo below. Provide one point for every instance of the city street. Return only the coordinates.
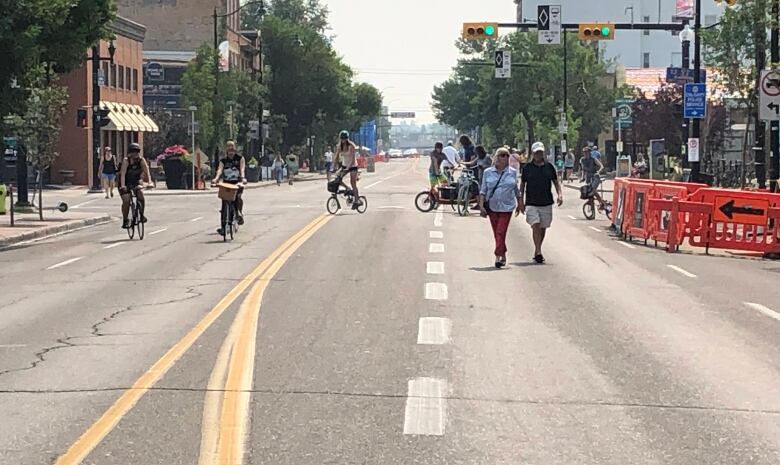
(382, 338)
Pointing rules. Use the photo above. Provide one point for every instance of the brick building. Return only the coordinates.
(121, 92)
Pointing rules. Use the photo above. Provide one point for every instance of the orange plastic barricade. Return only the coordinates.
(740, 220)
(659, 220)
(680, 216)
(636, 222)
(362, 162)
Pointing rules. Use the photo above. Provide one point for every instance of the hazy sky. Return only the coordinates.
(405, 47)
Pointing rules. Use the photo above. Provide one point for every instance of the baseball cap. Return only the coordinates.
(537, 147)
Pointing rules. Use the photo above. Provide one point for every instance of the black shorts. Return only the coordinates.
(130, 190)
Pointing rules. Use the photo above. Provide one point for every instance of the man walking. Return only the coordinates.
(536, 198)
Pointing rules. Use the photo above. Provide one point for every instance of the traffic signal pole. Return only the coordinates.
(95, 120)
(774, 143)
(696, 130)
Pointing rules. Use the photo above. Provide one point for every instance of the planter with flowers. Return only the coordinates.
(173, 161)
(252, 170)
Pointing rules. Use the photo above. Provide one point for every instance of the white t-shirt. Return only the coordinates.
(452, 156)
(328, 157)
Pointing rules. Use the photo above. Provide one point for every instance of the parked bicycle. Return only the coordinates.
(336, 189)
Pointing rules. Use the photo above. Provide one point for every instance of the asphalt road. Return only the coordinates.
(382, 338)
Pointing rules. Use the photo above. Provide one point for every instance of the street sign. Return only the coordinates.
(695, 101)
(503, 64)
(548, 24)
(745, 211)
(402, 114)
(693, 149)
(684, 75)
(769, 102)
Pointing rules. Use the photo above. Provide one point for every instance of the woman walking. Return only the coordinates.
(568, 165)
(107, 171)
(498, 199)
(279, 164)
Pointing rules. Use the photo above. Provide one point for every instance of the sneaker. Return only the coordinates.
(220, 232)
(125, 224)
(539, 259)
(355, 205)
(240, 220)
(143, 219)
(112, 194)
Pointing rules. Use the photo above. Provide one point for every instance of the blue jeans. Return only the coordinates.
(279, 174)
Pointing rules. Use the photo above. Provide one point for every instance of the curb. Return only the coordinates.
(54, 230)
(250, 186)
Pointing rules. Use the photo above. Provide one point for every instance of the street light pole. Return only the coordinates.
(193, 109)
(774, 143)
(96, 118)
(759, 156)
(695, 166)
(685, 38)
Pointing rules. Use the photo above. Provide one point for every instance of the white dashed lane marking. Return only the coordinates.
(436, 248)
(158, 231)
(111, 246)
(435, 268)
(425, 407)
(594, 229)
(765, 310)
(626, 244)
(196, 219)
(436, 291)
(66, 262)
(681, 271)
(438, 219)
(436, 235)
(434, 331)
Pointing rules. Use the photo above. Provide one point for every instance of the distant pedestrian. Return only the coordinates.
(536, 200)
(595, 152)
(278, 166)
(107, 171)
(469, 150)
(514, 160)
(498, 197)
(559, 164)
(329, 163)
(568, 165)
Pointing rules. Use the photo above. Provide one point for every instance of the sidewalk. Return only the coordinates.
(28, 227)
(161, 190)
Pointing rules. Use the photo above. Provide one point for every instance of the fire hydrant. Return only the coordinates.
(3, 194)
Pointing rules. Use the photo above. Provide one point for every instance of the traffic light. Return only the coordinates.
(102, 117)
(81, 118)
(597, 31)
(480, 31)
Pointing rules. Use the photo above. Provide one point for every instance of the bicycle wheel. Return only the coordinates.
(231, 221)
(333, 205)
(589, 210)
(363, 204)
(463, 201)
(133, 220)
(425, 201)
(140, 226)
(224, 220)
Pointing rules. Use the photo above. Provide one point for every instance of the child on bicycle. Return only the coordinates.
(435, 175)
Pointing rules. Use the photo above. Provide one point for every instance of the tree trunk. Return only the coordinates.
(530, 124)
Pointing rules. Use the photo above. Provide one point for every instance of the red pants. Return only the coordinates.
(500, 223)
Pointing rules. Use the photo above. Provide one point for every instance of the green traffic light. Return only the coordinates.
(605, 31)
(490, 30)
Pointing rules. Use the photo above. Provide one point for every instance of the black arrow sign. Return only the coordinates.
(729, 210)
(775, 107)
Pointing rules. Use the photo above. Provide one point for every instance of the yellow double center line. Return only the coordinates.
(236, 397)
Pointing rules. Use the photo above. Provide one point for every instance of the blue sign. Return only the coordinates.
(684, 75)
(695, 101)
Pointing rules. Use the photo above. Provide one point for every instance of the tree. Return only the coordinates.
(173, 131)
(198, 86)
(660, 117)
(39, 127)
(368, 102)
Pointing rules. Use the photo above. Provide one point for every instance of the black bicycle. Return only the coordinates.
(588, 194)
(136, 218)
(229, 213)
(336, 189)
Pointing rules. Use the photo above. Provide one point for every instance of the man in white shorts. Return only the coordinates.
(536, 200)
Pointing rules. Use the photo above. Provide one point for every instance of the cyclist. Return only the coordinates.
(346, 159)
(134, 170)
(591, 168)
(232, 170)
(480, 163)
(435, 175)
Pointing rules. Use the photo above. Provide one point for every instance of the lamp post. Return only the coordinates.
(697, 79)
(686, 37)
(96, 117)
(193, 109)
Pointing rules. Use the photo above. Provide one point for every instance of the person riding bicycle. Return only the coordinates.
(591, 168)
(232, 170)
(346, 160)
(435, 174)
(134, 170)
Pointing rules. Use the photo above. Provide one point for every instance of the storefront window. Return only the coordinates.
(121, 74)
(113, 76)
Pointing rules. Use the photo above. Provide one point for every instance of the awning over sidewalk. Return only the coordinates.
(128, 117)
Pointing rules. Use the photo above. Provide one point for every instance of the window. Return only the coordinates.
(113, 76)
(105, 69)
(645, 19)
(646, 60)
(128, 79)
(135, 80)
(121, 73)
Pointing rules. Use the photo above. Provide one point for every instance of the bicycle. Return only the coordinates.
(229, 213)
(333, 205)
(467, 187)
(136, 216)
(588, 193)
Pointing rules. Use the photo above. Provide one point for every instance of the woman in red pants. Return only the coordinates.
(498, 200)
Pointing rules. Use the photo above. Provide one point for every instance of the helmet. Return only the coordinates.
(134, 147)
(537, 147)
(343, 135)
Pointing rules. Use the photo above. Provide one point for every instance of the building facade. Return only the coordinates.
(121, 92)
(633, 49)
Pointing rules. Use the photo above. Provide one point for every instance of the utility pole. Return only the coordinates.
(95, 119)
(565, 135)
(774, 143)
(695, 166)
(686, 64)
(759, 156)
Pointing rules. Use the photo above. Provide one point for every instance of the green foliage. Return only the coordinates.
(198, 86)
(659, 117)
(368, 102)
(51, 33)
(528, 105)
(39, 127)
(173, 131)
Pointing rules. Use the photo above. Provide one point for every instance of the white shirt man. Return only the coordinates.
(453, 157)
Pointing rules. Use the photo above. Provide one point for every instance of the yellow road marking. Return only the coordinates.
(234, 421)
(108, 421)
